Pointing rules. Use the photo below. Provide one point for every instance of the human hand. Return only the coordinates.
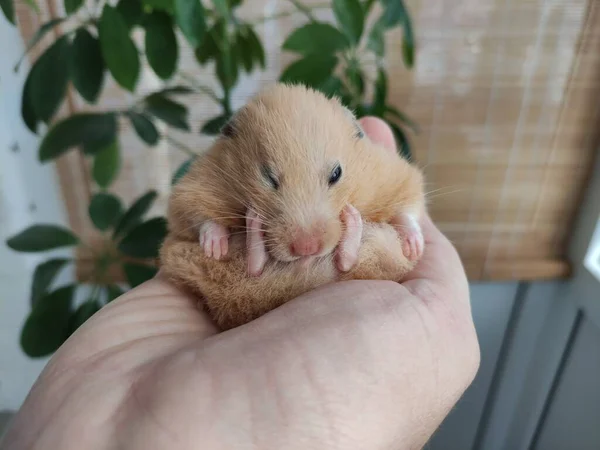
(353, 365)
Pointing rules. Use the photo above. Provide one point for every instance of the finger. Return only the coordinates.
(378, 131)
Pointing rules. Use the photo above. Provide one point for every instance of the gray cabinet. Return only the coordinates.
(538, 387)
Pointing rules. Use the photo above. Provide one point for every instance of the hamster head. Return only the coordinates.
(290, 149)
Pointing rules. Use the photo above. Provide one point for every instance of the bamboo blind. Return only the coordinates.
(505, 93)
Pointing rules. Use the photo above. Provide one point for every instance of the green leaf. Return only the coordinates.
(105, 210)
(144, 127)
(112, 292)
(244, 48)
(221, 7)
(181, 171)
(227, 66)
(189, 15)
(234, 3)
(8, 8)
(119, 51)
(137, 274)
(82, 314)
(161, 45)
(107, 163)
(51, 69)
(394, 112)
(96, 130)
(134, 214)
(376, 41)
(313, 70)
(214, 125)
(39, 34)
(368, 4)
(42, 237)
(160, 5)
(380, 93)
(87, 65)
(47, 326)
(167, 110)
(332, 86)
(27, 112)
(71, 6)
(351, 18)
(258, 51)
(402, 142)
(33, 5)
(408, 45)
(44, 275)
(208, 48)
(176, 90)
(396, 13)
(144, 240)
(131, 11)
(316, 37)
(355, 77)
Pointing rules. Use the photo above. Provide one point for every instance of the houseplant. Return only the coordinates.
(94, 41)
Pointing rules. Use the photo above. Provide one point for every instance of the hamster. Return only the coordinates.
(292, 195)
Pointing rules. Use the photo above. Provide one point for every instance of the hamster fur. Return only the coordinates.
(296, 158)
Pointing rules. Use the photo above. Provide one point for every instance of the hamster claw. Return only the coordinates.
(347, 251)
(409, 230)
(255, 245)
(214, 239)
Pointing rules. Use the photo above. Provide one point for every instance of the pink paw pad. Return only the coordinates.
(214, 239)
(347, 251)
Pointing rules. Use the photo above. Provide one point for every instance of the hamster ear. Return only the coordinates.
(228, 130)
(349, 113)
(360, 133)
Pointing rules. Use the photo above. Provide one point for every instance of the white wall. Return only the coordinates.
(29, 193)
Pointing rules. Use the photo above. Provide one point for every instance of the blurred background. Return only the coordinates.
(496, 100)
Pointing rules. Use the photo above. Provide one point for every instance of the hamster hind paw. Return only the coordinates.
(214, 239)
(409, 230)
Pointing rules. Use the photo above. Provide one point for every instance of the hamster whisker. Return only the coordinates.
(441, 189)
(429, 197)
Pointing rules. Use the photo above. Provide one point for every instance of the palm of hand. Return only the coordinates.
(351, 365)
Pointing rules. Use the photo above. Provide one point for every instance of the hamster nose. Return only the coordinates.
(305, 244)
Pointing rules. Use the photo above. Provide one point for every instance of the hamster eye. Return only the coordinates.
(270, 177)
(336, 174)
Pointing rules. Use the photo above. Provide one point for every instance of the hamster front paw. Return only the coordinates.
(346, 254)
(255, 244)
(214, 239)
(409, 230)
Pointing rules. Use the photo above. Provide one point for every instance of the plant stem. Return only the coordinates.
(204, 89)
(304, 9)
(287, 13)
(95, 292)
(184, 148)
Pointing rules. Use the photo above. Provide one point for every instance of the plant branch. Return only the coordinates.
(199, 87)
(184, 148)
(291, 12)
(304, 9)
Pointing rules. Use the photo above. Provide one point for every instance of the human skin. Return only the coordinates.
(353, 365)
